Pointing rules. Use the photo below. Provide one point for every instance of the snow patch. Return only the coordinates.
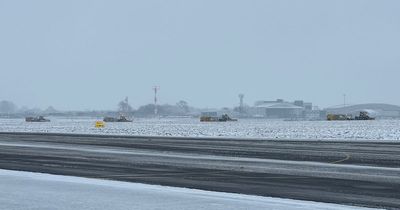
(26, 190)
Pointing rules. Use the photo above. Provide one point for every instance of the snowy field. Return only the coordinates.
(28, 191)
(374, 130)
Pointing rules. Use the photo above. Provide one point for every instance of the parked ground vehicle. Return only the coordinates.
(213, 117)
(36, 119)
(113, 119)
(332, 117)
(362, 116)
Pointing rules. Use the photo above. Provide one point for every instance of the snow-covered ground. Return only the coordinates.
(28, 191)
(376, 129)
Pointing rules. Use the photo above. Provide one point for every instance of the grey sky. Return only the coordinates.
(91, 54)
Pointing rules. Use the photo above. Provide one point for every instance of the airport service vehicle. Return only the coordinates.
(113, 119)
(36, 119)
(213, 117)
(362, 116)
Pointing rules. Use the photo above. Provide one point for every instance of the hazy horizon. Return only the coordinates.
(77, 55)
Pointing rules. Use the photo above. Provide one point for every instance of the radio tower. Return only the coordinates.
(241, 96)
(155, 88)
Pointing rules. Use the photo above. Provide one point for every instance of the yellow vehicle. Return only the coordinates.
(362, 116)
(209, 117)
(100, 124)
(338, 117)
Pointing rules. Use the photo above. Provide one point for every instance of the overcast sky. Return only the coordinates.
(91, 54)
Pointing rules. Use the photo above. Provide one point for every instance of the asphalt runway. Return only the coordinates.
(360, 173)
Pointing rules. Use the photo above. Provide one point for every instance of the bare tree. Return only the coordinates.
(183, 105)
(124, 107)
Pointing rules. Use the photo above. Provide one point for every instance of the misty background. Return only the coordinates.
(77, 55)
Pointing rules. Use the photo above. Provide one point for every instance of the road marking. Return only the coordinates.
(188, 173)
(156, 175)
(342, 160)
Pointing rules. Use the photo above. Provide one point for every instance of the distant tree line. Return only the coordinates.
(7, 107)
(179, 109)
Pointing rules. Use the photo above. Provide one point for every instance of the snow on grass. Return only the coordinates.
(374, 130)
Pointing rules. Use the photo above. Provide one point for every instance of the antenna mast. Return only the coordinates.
(241, 96)
(155, 88)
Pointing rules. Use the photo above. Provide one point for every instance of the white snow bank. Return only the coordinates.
(26, 190)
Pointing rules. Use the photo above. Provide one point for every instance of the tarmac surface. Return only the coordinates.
(360, 173)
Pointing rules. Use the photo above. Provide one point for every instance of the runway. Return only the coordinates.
(360, 173)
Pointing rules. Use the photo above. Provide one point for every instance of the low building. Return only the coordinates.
(281, 109)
